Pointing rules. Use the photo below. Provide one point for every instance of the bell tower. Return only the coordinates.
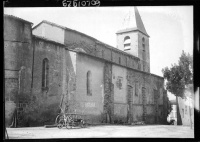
(133, 39)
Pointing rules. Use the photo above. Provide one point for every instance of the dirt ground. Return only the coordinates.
(107, 131)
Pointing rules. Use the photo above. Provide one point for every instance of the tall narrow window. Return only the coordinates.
(89, 83)
(127, 43)
(143, 49)
(143, 56)
(143, 52)
(136, 88)
(45, 73)
(143, 40)
(119, 60)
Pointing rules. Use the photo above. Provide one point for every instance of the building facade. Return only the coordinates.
(173, 113)
(186, 107)
(49, 65)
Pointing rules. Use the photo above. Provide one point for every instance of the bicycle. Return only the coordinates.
(65, 122)
(63, 119)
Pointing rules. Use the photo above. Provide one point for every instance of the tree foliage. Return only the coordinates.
(179, 76)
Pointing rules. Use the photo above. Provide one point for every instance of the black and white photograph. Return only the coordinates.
(99, 72)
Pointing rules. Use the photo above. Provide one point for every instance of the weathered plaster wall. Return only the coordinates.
(53, 53)
(136, 47)
(91, 106)
(132, 62)
(186, 107)
(152, 102)
(16, 29)
(61, 78)
(134, 42)
(17, 61)
(120, 83)
(50, 32)
(137, 113)
(39, 31)
(116, 58)
(74, 40)
(107, 53)
(120, 92)
(71, 68)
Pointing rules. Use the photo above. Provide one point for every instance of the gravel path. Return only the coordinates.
(148, 131)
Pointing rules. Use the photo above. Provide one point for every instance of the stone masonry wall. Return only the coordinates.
(147, 97)
(47, 100)
(18, 56)
(90, 105)
(108, 94)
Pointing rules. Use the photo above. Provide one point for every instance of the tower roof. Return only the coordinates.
(133, 21)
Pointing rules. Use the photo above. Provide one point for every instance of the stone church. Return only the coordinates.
(49, 65)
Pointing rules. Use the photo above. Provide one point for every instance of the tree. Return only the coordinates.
(178, 78)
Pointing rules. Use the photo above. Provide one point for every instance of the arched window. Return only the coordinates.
(136, 88)
(45, 73)
(143, 39)
(127, 43)
(143, 52)
(143, 56)
(89, 83)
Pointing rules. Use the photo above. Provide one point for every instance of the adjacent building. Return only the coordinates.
(186, 107)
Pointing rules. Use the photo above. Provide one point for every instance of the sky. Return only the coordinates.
(170, 27)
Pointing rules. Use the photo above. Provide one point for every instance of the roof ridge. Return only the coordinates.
(96, 40)
(8, 15)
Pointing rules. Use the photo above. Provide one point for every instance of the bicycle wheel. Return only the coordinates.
(82, 124)
(61, 124)
(69, 122)
(58, 118)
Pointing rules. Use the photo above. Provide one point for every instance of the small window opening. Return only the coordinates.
(143, 39)
(45, 73)
(136, 88)
(89, 83)
(119, 82)
(119, 60)
(127, 43)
